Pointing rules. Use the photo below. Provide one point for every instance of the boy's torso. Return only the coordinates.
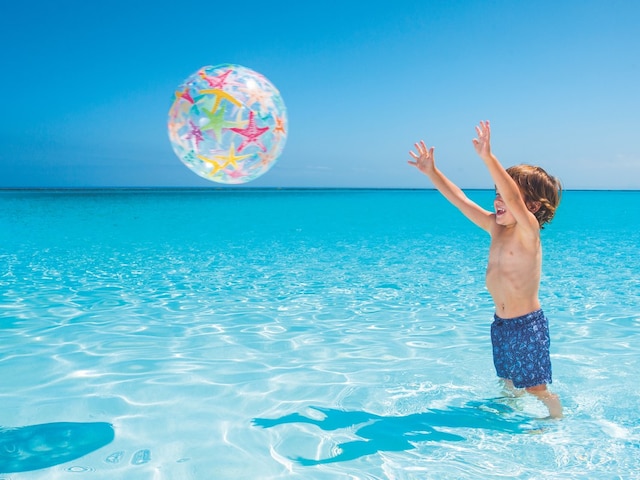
(513, 272)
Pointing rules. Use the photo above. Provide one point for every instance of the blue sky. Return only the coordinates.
(87, 87)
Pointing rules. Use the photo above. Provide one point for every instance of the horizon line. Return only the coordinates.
(240, 188)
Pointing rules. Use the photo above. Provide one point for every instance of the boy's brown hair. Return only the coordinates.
(538, 188)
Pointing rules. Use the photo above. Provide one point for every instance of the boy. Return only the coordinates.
(526, 199)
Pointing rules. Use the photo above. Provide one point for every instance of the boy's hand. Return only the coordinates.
(482, 144)
(423, 159)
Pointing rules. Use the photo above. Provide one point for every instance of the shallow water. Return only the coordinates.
(304, 334)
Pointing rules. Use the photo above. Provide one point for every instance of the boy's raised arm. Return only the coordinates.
(507, 187)
(424, 161)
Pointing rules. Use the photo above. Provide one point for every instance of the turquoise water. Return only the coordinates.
(303, 334)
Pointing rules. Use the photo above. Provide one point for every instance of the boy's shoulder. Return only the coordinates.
(518, 232)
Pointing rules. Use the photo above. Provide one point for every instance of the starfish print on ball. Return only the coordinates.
(194, 134)
(214, 82)
(227, 124)
(251, 134)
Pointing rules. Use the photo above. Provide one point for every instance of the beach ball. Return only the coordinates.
(228, 124)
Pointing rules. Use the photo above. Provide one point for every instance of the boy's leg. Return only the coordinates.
(509, 389)
(551, 400)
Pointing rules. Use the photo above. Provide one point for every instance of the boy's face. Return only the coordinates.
(503, 216)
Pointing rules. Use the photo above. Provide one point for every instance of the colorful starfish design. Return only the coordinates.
(174, 131)
(215, 82)
(215, 166)
(231, 158)
(251, 134)
(184, 95)
(190, 157)
(219, 95)
(217, 122)
(266, 159)
(256, 94)
(182, 104)
(279, 128)
(194, 134)
(238, 174)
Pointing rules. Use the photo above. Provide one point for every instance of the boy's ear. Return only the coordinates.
(534, 206)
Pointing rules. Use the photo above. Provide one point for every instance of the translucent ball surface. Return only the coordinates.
(228, 124)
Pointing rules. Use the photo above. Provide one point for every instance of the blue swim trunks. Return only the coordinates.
(521, 349)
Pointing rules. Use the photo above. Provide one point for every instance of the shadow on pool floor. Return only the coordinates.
(35, 447)
(398, 433)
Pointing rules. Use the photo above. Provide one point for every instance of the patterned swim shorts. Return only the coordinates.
(521, 349)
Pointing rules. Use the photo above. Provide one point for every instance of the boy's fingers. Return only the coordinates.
(422, 149)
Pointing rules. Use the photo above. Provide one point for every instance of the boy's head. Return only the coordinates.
(541, 191)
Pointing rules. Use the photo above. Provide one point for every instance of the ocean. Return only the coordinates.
(282, 333)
